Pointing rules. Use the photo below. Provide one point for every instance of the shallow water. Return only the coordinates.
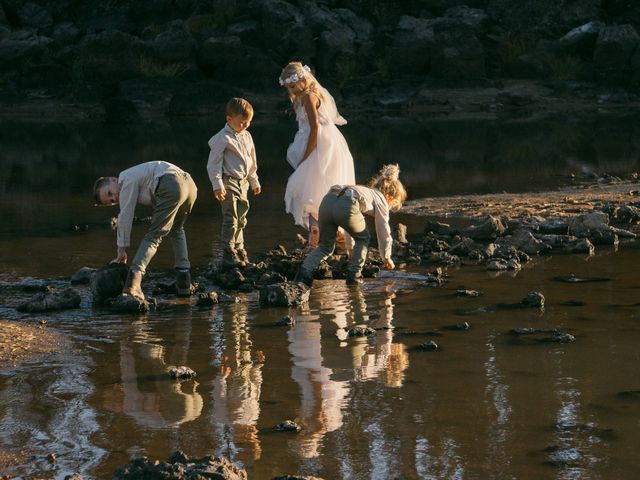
(485, 406)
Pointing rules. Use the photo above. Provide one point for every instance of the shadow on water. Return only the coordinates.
(369, 407)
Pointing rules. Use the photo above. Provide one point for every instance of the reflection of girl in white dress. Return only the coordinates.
(319, 153)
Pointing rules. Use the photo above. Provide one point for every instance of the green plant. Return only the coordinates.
(513, 47)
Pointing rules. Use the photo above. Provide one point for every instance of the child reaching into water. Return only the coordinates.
(232, 169)
(345, 206)
(319, 153)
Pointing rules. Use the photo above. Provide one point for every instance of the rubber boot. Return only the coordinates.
(183, 282)
(132, 286)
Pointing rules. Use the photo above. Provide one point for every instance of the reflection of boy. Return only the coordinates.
(232, 169)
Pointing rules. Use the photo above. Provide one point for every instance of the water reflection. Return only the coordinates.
(150, 397)
(237, 384)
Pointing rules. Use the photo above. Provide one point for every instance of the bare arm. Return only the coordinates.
(310, 103)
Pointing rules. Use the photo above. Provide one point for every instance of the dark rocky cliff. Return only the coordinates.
(139, 57)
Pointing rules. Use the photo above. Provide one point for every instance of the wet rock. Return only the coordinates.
(604, 238)
(437, 278)
(626, 214)
(467, 293)
(224, 298)
(208, 299)
(629, 395)
(440, 258)
(360, 331)
(27, 284)
(498, 265)
(82, 276)
(75, 476)
(269, 278)
(533, 300)
(581, 245)
(622, 233)
(490, 229)
(573, 303)
(553, 227)
(181, 372)
(525, 241)
(429, 346)
(287, 426)
(287, 321)
(47, 302)
(458, 326)
(181, 467)
(564, 457)
(583, 225)
(128, 304)
(107, 282)
(284, 294)
(539, 335)
(169, 288)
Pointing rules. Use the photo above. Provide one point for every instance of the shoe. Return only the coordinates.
(132, 286)
(230, 258)
(241, 253)
(183, 282)
(302, 276)
(354, 278)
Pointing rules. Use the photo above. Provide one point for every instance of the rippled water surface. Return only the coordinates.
(487, 405)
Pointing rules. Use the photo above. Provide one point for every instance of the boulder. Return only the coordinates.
(51, 301)
(410, 48)
(613, 52)
(128, 304)
(83, 275)
(457, 52)
(490, 229)
(284, 294)
(21, 45)
(33, 15)
(181, 467)
(580, 41)
(175, 44)
(108, 282)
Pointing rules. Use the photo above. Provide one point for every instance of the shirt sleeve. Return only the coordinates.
(252, 174)
(383, 230)
(214, 164)
(128, 201)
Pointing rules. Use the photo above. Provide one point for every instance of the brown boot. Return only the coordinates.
(243, 256)
(132, 286)
(183, 282)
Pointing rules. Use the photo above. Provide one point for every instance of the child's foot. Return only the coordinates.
(354, 278)
(243, 256)
(230, 258)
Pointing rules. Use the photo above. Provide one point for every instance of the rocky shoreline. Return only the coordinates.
(131, 62)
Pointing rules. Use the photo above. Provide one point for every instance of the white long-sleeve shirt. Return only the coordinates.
(138, 185)
(232, 154)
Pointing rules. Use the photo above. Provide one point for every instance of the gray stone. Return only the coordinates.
(51, 301)
(128, 304)
(284, 294)
(108, 282)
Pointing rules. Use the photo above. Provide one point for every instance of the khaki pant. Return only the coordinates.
(173, 200)
(337, 212)
(234, 213)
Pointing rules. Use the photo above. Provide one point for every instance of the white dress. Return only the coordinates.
(329, 164)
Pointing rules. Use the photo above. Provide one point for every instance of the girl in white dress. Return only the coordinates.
(319, 153)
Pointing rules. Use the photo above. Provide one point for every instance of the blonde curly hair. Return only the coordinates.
(387, 181)
(307, 81)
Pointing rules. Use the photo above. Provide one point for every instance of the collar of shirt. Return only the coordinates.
(233, 132)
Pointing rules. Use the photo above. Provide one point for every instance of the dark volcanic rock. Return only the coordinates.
(50, 301)
(284, 294)
(181, 467)
(108, 282)
(127, 304)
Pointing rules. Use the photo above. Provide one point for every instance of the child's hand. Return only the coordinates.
(257, 190)
(388, 264)
(220, 194)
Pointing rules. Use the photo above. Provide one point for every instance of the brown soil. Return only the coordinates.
(558, 203)
(19, 342)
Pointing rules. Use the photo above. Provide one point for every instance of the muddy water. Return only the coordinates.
(485, 406)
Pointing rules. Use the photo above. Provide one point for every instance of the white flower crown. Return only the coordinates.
(295, 77)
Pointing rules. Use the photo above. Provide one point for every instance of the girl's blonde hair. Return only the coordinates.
(388, 183)
(307, 81)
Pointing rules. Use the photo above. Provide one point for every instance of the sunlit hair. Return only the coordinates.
(238, 106)
(388, 183)
(307, 81)
(100, 182)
